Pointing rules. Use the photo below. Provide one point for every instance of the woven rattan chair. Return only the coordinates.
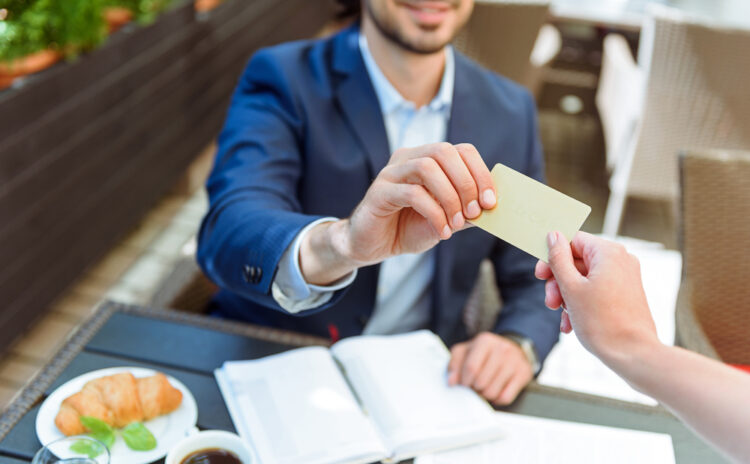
(484, 303)
(713, 313)
(185, 289)
(501, 35)
(695, 96)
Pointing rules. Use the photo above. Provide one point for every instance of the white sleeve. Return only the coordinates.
(289, 288)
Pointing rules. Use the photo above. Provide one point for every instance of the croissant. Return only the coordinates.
(118, 400)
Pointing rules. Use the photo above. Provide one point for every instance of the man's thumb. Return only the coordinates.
(561, 259)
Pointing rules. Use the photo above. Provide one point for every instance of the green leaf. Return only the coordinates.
(90, 448)
(138, 437)
(99, 430)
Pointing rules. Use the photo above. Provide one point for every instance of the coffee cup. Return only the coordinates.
(210, 439)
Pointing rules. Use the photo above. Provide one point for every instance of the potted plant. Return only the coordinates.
(148, 10)
(36, 34)
(206, 5)
(119, 12)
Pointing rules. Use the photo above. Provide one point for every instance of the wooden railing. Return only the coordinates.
(87, 147)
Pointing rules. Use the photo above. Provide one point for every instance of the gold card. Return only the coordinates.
(527, 210)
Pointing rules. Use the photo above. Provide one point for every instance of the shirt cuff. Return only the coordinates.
(289, 288)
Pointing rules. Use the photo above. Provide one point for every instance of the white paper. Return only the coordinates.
(572, 367)
(296, 407)
(533, 440)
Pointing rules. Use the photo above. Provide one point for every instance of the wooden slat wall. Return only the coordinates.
(87, 147)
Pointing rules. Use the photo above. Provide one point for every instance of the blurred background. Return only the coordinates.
(109, 109)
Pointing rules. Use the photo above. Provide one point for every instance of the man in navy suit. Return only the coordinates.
(346, 171)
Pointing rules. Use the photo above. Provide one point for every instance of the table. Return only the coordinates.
(189, 347)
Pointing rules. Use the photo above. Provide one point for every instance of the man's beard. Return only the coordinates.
(392, 33)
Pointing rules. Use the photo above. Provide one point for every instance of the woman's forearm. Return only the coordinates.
(710, 397)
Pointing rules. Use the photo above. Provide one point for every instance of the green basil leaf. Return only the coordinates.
(89, 448)
(95, 425)
(138, 437)
(99, 429)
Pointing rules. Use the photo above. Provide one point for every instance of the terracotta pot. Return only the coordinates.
(116, 17)
(26, 65)
(205, 5)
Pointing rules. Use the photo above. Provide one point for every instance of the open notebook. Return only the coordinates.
(365, 399)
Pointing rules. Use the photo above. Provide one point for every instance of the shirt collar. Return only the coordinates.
(390, 99)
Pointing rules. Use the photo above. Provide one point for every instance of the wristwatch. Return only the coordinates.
(527, 346)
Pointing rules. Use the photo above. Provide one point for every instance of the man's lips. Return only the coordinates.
(428, 13)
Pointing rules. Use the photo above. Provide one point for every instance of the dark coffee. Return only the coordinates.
(211, 456)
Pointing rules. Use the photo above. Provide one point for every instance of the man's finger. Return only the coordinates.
(481, 174)
(512, 388)
(458, 353)
(492, 393)
(489, 371)
(460, 176)
(474, 363)
(416, 197)
(427, 172)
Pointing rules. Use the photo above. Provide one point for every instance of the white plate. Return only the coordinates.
(167, 429)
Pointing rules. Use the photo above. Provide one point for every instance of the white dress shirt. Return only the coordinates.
(404, 293)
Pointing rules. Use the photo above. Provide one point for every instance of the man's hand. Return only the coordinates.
(492, 365)
(599, 284)
(423, 195)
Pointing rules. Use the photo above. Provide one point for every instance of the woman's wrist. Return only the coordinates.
(637, 360)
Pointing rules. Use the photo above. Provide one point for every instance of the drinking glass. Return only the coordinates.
(67, 450)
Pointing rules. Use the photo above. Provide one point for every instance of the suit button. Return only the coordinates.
(248, 273)
(258, 274)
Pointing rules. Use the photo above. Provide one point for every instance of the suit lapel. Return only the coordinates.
(356, 97)
(466, 111)
(468, 107)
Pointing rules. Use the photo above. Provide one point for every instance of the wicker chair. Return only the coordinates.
(186, 288)
(713, 312)
(501, 35)
(695, 96)
(484, 303)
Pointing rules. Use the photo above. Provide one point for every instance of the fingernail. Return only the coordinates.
(458, 220)
(446, 232)
(552, 238)
(489, 198)
(473, 210)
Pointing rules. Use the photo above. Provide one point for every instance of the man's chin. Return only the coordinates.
(423, 38)
(413, 35)
(425, 45)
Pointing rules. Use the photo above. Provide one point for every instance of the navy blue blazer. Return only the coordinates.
(304, 138)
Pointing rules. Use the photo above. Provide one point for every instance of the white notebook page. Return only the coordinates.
(534, 440)
(296, 407)
(402, 380)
